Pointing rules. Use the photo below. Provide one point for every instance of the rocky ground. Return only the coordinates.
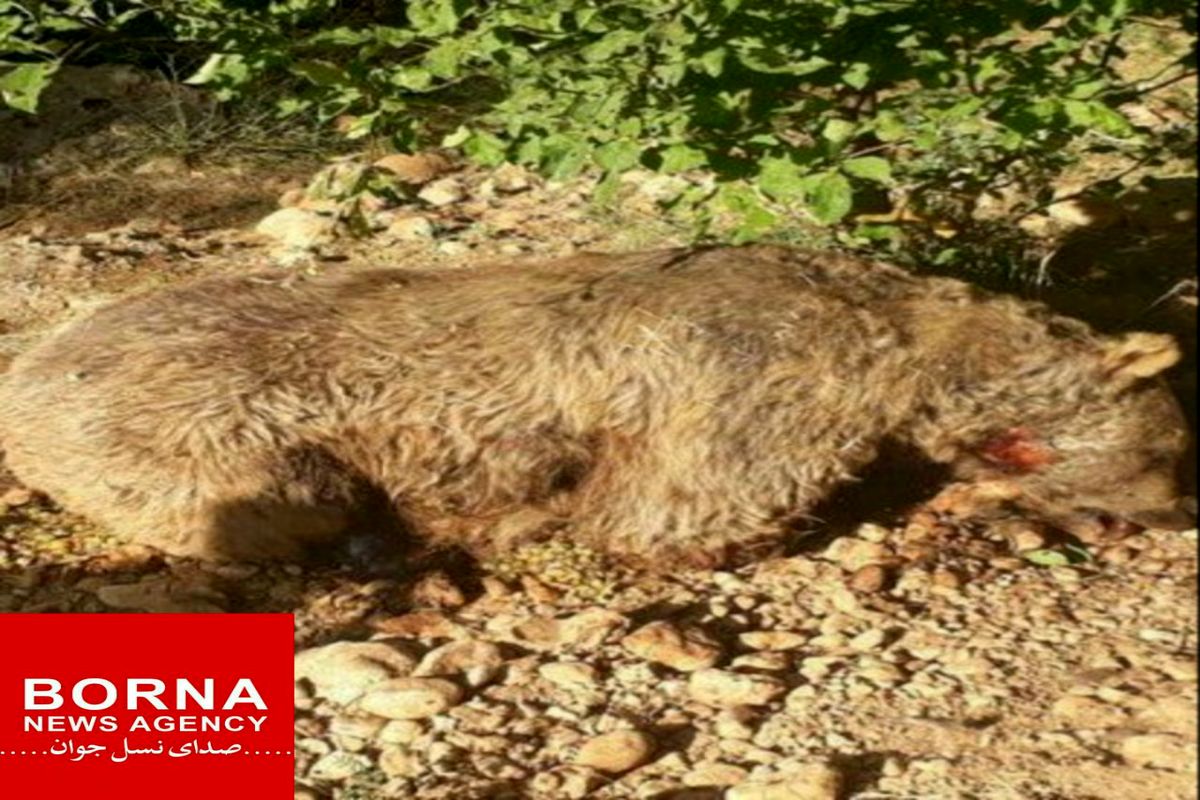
(932, 659)
(923, 655)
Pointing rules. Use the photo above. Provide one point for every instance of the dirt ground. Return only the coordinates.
(898, 655)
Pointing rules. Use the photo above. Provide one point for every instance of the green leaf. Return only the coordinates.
(208, 70)
(613, 44)
(713, 62)
(754, 223)
(889, 127)
(630, 127)
(290, 106)
(485, 148)
(456, 137)
(782, 179)
(870, 168)
(347, 37)
(321, 73)
(618, 156)
(1087, 89)
(753, 219)
(21, 86)
(1078, 554)
(681, 157)
(807, 66)
(608, 190)
(858, 75)
(879, 233)
(417, 79)
(838, 130)
(1093, 114)
(563, 156)
(433, 17)
(362, 126)
(1047, 558)
(443, 61)
(829, 197)
(221, 68)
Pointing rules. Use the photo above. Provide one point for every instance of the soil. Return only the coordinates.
(910, 653)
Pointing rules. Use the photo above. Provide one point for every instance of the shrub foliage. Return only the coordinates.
(801, 104)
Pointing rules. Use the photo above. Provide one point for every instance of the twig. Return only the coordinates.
(1191, 73)
(1141, 162)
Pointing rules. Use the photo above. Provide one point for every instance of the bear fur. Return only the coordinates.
(677, 407)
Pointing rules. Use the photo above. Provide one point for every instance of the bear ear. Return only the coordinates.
(1137, 356)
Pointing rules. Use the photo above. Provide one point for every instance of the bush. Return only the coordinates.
(796, 105)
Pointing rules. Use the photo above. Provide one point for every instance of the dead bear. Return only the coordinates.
(673, 407)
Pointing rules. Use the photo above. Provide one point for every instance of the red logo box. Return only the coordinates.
(135, 706)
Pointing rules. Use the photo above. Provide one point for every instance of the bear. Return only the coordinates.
(680, 407)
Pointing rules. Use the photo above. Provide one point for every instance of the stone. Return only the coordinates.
(1179, 669)
(401, 731)
(868, 640)
(964, 665)
(1160, 751)
(853, 554)
(616, 752)
(765, 660)
(343, 671)
(1022, 535)
(413, 228)
(539, 592)
(724, 689)
(570, 675)
(882, 675)
(772, 640)
(511, 178)
(737, 723)
(323, 206)
(586, 630)
(399, 762)
(162, 165)
(453, 247)
(946, 579)
(505, 219)
(663, 188)
(817, 668)
(415, 168)
(15, 497)
(662, 643)
(1172, 714)
(444, 192)
(869, 579)
(873, 532)
(297, 228)
(292, 198)
(338, 766)
(162, 595)
(356, 726)
(422, 625)
(576, 783)
(411, 698)
(715, 774)
(479, 661)
(807, 782)
(1087, 712)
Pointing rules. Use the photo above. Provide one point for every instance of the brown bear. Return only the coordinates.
(678, 406)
